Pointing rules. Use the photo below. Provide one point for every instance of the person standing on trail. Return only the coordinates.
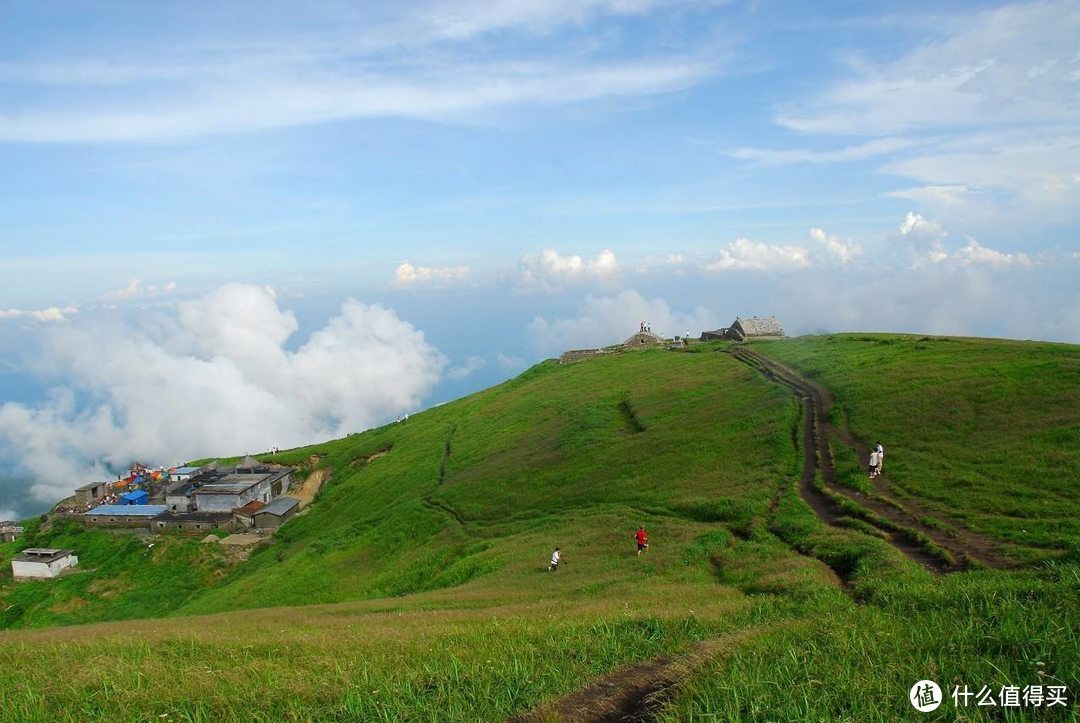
(642, 538)
(880, 458)
(873, 463)
(555, 557)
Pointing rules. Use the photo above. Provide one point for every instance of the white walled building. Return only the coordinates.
(42, 563)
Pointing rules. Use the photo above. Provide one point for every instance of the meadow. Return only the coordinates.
(416, 588)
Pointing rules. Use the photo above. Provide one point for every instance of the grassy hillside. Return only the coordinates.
(985, 432)
(119, 577)
(422, 565)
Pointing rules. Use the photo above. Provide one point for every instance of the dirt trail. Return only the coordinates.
(429, 498)
(311, 486)
(966, 548)
(635, 692)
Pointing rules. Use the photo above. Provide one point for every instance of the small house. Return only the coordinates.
(274, 514)
(182, 474)
(42, 563)
(245, 516)
(135, 497)
(755, 327)
(9, 531)
(86, 494)
(179, 496)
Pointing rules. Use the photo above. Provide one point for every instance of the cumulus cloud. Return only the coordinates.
(472, 364)
(604, 320)
(744, 254)
(213, 378)
(975, 253)
(52, 314)
(836, 248)
(137, 290)
(924, 239)
(550, 271)
(409, 275)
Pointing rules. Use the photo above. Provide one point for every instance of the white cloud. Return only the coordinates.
(508, 362)
(472, 364)
(549, 270)
(988, 111)
(439, 62)
(50, 315)
(980, 75)
(409, 275)
(745, 255)
(836, 248)
(974, 253)
(214, 379)
(861, 151)
(924, 239)
(6, 515)
(926, 242)
(137, 290)
(606, 320)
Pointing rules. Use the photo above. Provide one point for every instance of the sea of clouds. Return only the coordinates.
(210, 376)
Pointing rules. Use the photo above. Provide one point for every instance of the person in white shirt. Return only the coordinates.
(555, 557)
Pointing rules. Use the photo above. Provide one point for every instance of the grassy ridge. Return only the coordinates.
(429, 561)
(985, 432)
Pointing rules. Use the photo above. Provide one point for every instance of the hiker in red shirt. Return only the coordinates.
(642, 538)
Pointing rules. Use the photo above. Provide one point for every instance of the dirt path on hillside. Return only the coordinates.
(311, 486)
(902, 520)
(636, 692)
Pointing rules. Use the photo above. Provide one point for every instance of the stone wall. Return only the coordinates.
(576, 355)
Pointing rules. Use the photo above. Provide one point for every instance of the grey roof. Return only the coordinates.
(181, 487)
(127, 510)
(760, 326)
(90, 486)
(281, 506)
(41, 554)
(185, 470)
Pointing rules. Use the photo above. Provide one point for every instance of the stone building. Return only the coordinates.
(755, 327)
(86, 494)
(643, 340)
(224, 490)
(274, 514)
(122, 515)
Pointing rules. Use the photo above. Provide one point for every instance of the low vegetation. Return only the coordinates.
(415, 587)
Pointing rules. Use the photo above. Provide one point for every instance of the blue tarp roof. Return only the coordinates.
(136, 497)
(134, 510)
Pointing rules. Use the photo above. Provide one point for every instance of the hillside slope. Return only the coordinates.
(779, 583)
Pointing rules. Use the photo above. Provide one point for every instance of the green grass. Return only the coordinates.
(415, 587)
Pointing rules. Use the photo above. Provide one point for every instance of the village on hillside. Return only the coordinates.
(251, 496)
(247, 497)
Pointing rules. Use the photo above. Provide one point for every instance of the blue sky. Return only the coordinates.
(509, 179)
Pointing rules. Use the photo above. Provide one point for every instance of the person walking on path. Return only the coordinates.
(555, 557)
(642, 538)
(880, 458)
(873, 463)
